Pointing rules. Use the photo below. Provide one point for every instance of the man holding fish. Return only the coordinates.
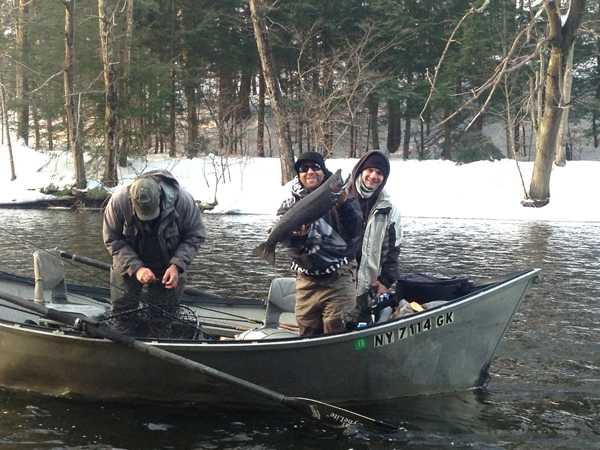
(321, 231)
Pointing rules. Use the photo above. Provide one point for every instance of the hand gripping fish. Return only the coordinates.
(309, 209)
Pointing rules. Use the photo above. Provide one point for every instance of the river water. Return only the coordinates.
(544, 391)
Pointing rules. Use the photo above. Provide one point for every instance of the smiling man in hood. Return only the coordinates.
(379, 243)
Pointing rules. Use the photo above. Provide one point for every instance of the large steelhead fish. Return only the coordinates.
(309, 209)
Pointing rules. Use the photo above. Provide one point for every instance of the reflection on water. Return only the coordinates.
(545, 386)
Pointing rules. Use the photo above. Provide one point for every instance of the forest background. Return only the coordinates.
(112, 80)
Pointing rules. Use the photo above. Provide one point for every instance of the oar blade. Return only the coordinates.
(335, 416)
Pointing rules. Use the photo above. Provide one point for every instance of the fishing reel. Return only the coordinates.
(368, 314)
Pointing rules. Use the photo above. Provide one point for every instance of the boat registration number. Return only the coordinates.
(407, 331)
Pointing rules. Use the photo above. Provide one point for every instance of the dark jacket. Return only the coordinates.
(346, 220)
(180, 231)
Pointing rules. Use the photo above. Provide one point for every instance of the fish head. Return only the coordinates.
(336, 182)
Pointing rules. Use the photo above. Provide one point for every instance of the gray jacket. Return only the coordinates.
(180, 232)
(380, 245)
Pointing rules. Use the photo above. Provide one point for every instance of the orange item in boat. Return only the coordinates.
(416, 307)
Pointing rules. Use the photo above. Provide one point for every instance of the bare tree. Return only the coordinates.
(13, 175)
(127, 123)
(111, 99)
(22, 82)
(72, 110)
(561, 141)
(561, 36)
(260, 131)
(259, 11)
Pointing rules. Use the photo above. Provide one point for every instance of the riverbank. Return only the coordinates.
(242, 185)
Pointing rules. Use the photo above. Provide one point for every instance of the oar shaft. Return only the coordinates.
(50, 313)
(86, 260)
(205, 370)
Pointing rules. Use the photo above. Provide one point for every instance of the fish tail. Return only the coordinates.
(260, 250)
(270, 257)
(266, 253)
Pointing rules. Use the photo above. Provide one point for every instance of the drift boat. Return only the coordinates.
(445, 348)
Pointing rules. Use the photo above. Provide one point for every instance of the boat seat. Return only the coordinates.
(49, 274)
(281, 299)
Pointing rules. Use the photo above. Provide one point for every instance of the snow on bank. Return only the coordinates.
(435, 189)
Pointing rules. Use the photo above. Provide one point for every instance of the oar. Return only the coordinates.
(191, 291)
(84, 260)
(313, 409)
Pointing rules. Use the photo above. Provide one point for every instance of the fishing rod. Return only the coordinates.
(136, 297)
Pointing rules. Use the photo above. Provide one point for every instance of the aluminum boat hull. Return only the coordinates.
(444, 349)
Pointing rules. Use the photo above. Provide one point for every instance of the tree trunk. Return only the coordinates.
(72, 111)
(127, 124)
(245, 87)
(422, 146)
(172, 120)
(523, 140)
(327, 85)
(192, 115)
(36, 127)
(13, 175)
(352, 153)
(225, 109)
(406, 147)
(261, 34)
(394, 135)
(517, 134)
(595, 128)
(407, 120)
(373, 102)
(50, 131)
(509, 138)
(191, 101)
(561, 141)
(299, 136)
(111, 176)
(561, 38)
(22, 83)
(447, 149)
(260, 132)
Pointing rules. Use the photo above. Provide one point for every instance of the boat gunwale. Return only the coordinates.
(209, 299)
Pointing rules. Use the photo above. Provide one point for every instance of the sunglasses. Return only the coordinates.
(305, 167)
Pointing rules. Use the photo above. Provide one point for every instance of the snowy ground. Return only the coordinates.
(480, 190)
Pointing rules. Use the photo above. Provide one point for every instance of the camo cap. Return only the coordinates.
(145, 196)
